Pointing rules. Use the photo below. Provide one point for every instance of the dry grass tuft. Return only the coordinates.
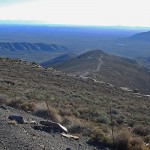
(51, 113)
(136, 144)
(28, 106)
(125, 141)
(13, 122)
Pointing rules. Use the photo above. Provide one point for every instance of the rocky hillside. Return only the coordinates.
(82, 105)
(16, 136)
(109, 68)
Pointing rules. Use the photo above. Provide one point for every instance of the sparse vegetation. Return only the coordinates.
(13, 122)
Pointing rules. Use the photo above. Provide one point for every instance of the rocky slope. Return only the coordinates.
(81, 104)
(23, 136)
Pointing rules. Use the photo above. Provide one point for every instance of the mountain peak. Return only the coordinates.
(101, 66)
(93, 53)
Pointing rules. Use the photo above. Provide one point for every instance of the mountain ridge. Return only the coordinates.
(143, 36)
(15, 46)
(31, 51)
(78, 39)
(109, 68)
(57, 60)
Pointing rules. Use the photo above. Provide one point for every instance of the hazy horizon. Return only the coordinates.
(76, 12)
(34, 23)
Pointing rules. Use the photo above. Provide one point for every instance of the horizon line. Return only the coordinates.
(37, 23)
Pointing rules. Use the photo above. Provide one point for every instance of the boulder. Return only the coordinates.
(17, 118)
(54, 125)
(146, 95)
(70, 136)
(33, 122)
(125, 89)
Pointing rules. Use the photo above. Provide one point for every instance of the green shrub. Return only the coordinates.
(114, 111)
(102, 118)
(76, 129)
(141, 130)
(120, 119)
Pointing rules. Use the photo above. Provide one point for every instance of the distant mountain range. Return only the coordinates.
(144, 36)
(108, 68)
(24, 46)
(55, 44)
(31, 51)
(78, 39)
(137, 45)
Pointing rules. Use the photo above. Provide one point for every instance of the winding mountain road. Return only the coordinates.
(98, 68)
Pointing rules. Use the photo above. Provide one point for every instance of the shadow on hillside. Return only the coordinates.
(97, 145)
(46, 129)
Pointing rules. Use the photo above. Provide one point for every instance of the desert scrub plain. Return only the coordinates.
(84, 106)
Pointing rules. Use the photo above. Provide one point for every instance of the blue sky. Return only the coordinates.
(81, 12)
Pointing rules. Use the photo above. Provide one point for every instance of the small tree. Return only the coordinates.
(112, 125)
